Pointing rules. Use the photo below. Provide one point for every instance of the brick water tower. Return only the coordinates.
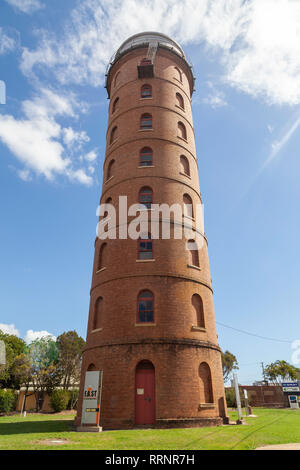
(151, 328)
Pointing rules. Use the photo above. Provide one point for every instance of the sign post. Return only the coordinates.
(238, 399)
(90, 420)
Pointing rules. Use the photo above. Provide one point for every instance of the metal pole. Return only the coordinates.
(238, 399)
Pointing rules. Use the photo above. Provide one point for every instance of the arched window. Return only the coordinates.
(102, 260)
(185, 166)
(146, 91)
(181, 130)
(194, 253)
(145, 247)
(180, 101)
(205, 382)
(146, 157)
(197, 303)
(113, 135)
(145, 307)
(178, 74)
(188, 206)
(108, 201)
(91, 368)
(110, 169)
(98, 313)
(146, 121)
(146, 197)
(115, 105)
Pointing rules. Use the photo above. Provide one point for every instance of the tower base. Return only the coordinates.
(88, 429)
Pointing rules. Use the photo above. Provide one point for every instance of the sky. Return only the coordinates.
(246, 59)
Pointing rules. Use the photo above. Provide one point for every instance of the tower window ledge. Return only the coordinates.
(145, 166)
(112, 143)
(194, 267)
(178, 80)
(109, 179)
(143, 130)
(145, 260)
(145, 324)
(184, 174)
(96, 331)
(100, 270)
(182, 138)
(180, 107)
(206, 406)
(185, 216)
(146, 98)
(198, 328)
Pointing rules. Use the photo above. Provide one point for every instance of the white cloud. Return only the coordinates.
(216, 98)
(277, 145)
(36, 139)
(24, 175)
(72, 138)
(81, 176)
(9, 329)
(26, 6)
(91, 156)
(33, 335)
(7, 42)
(258, 40)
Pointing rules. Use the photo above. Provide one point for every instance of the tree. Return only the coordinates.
(22, 371)
(14, 347)
(229, 363)
(43, 354)
(280, 371)
(70, 347)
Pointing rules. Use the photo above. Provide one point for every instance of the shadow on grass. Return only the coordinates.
(35, 427)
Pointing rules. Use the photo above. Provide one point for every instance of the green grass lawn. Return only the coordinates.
(270, 427)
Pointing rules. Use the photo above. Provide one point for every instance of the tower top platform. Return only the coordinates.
(144, 40)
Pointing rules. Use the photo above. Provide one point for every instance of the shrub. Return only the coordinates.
(59, 400)
(231, 400)
(7, 401)
(230, 397)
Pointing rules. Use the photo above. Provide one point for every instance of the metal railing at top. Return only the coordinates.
(133, 44)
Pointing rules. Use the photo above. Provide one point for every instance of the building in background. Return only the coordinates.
(151, 328)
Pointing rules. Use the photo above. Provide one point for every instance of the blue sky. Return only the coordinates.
(246, 57)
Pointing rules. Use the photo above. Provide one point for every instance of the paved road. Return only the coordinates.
(281, 447)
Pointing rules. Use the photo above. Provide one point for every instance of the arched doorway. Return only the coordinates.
(145, 393)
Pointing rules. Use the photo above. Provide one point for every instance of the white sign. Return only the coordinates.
(290, 387)
(293, 399)
(92, 398)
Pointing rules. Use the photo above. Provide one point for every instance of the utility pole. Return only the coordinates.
(263, 371)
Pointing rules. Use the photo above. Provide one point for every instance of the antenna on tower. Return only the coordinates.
(152, 49)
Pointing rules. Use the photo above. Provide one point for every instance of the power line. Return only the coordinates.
(253, 334)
